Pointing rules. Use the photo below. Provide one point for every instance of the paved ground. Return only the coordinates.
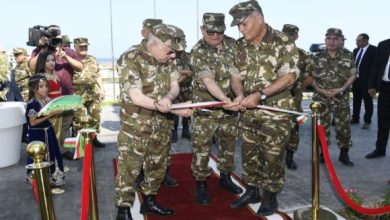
(368, 176)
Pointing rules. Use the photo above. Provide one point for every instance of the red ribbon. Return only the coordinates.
(337, 184)
(86, 181)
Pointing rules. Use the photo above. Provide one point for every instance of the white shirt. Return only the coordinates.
(386, 73)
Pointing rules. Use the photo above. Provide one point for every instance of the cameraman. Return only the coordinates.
(67, 62)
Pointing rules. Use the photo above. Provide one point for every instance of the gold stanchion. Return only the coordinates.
(314, 212)
(37, 151)
(88, 139)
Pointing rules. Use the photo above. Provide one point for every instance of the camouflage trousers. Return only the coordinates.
(264, 138)
(339, 108)
(224, 130)
(293, 143)
(143, 143)
(93, 109)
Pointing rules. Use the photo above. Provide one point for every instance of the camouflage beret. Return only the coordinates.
(334, 31)
(19, 50)
(290, 29)
(150, 23)
(241, 10)
(214, 22)
(81, 41)
(66, 40)
(169, 35)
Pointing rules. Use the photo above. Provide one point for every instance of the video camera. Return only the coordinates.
(37, 32)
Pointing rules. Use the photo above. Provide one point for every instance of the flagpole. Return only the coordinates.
(112, 52)
(154, 8)
(197, 20)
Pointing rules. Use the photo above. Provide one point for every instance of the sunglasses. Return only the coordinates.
(212, 33)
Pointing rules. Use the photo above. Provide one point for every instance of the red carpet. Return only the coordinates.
(182, 199)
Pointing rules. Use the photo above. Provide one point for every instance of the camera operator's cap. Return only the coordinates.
(81, 41)
(19, 50)
(334, 31)
(169, 35)
(290, 29)
(241, 10)
(66, 40)
(150, 23)
(214, 22)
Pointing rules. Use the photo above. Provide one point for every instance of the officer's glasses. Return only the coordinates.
(212, 33)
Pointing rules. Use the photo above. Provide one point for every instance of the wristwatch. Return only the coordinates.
(263, 97)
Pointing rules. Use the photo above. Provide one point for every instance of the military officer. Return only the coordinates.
(215, 79)
(333, 75)
(22, 71)
(267, 61)
(66, 41)
(144, 136)
(305, 65)
(89, 85)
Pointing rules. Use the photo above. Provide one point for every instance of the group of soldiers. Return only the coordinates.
(263, 67)
(86, 83)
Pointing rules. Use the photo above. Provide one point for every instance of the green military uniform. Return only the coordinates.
(265, 134)
(208, 61)
(144, 136)
(22, 73)
(330, 73)
(85, 85)
(4, 70)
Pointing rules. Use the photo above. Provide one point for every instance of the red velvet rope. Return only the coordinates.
(86, 181)
(337, 184)
(35, 189)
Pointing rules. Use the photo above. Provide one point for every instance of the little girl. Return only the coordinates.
(45, 65)
(41, 129)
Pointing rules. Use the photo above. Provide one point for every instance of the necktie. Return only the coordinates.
(357, 62)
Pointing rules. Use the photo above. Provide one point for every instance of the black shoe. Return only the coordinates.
(269, 205)
(366, 126)
(67, 155)
(344, 157)
(124, 213)
(201, 193)
(251, 195)
(98, 144)
(169, 181)
(226, 182)
(375, 154)
(354, 121)
(290, 160)
(150, 206)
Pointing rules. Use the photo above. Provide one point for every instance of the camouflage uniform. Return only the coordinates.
(4, 70)
(22, 73)
(217, 63)
(330, 73)
(265, 134)
(85, 85)
(144, 136)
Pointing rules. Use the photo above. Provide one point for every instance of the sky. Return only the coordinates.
(91, 19)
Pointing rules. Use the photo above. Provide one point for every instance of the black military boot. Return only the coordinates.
(226, 182)
(169, 180)
(124, 213)
(290, 160)
(150, 206)
(344, 157)
(251, 195)
(185, 133)
(174, 130)
(98, 144)
(269, 205)
(201, 192)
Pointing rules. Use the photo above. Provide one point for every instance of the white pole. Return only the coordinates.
(154, 8)
(112, 52)
(197, 20)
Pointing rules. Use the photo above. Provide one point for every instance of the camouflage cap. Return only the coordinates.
(66, 40)
(241, 10)
(169, 35)
(334, 31)
(290, 29)
(214, 22)
(182, 36)
(150, 23)
(19, 50)
(81, 41)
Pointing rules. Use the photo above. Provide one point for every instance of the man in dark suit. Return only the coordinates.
(364, 59)
(380, 81)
